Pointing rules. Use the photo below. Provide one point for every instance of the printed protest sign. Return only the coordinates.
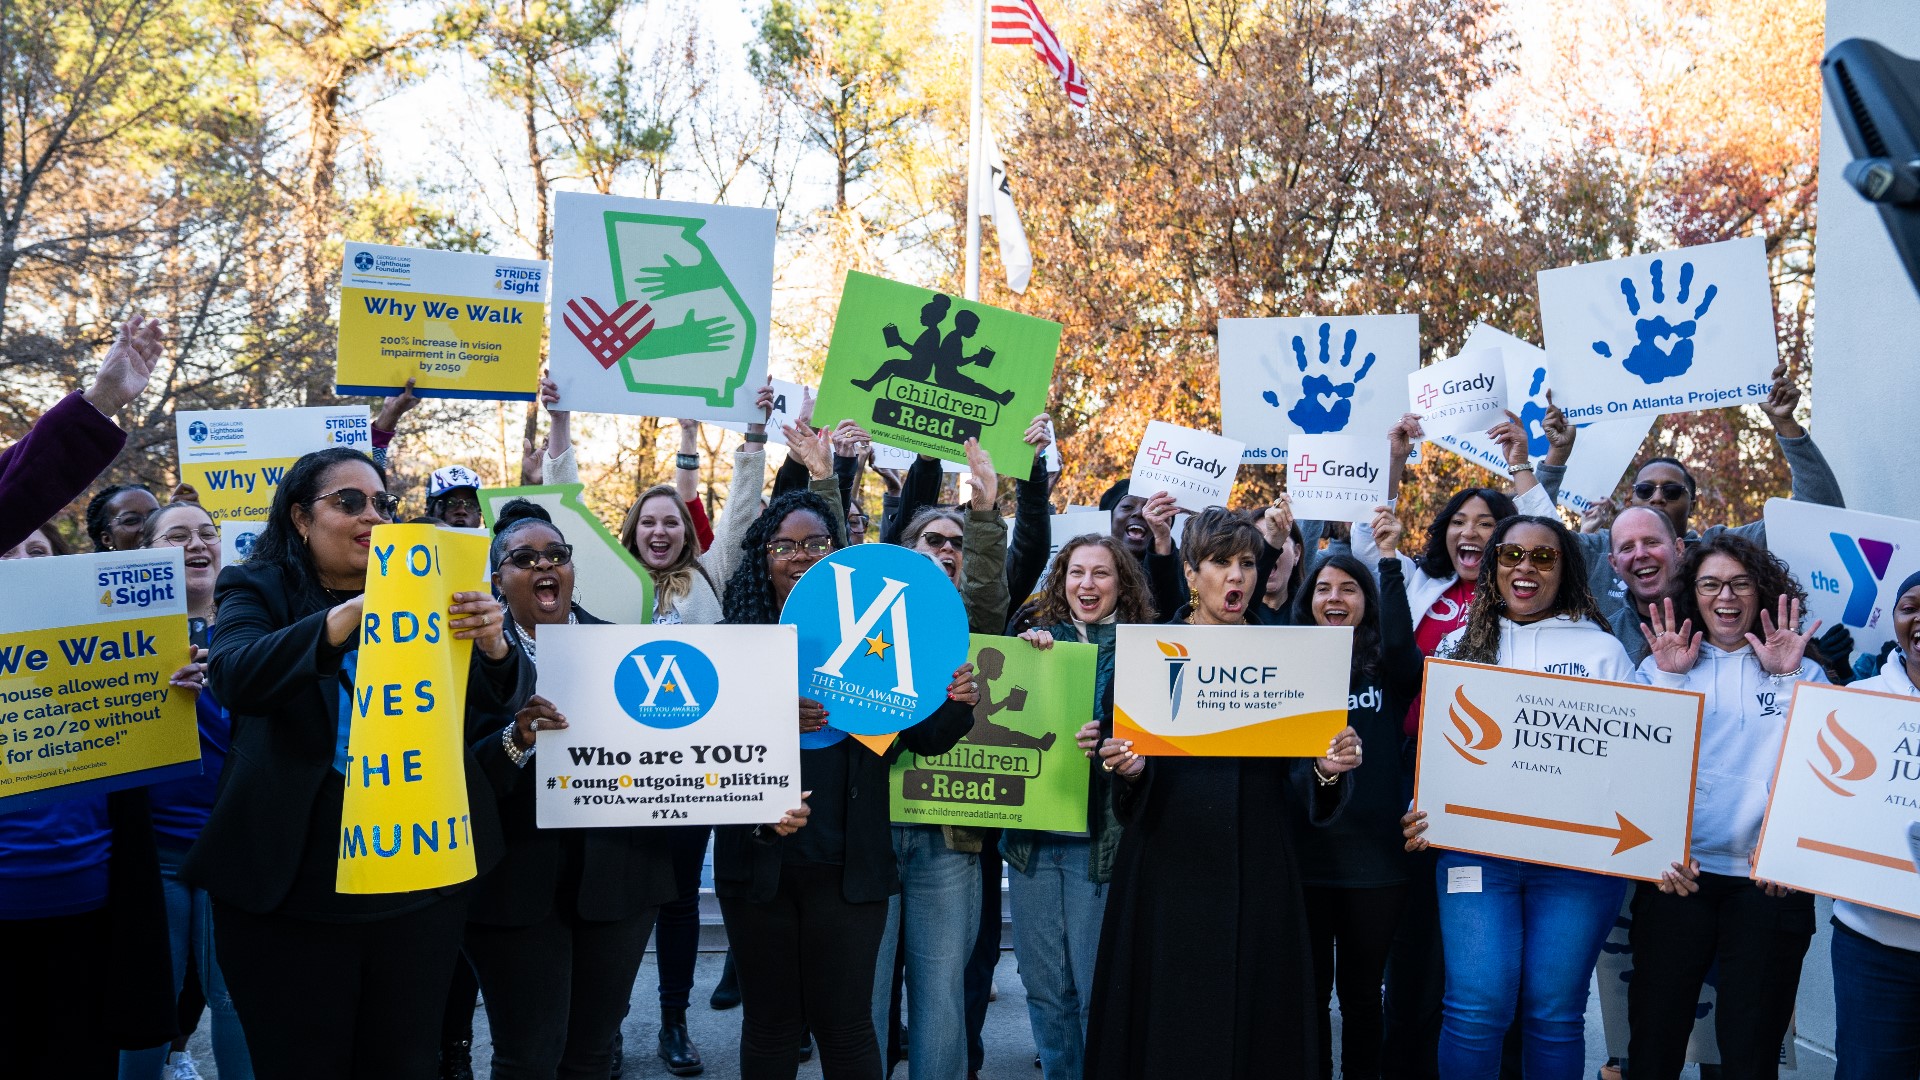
(234, 459)
(1559, 770)
(1231, 691)
(1671, 331)
(1846, 789)
(1313, 376)
(1337, 477)
(614, 584)
(1602, 453)
(404, 823)
(660, 308)
(86, 651)
(1852, 564)
(1019, 768)
(693, 725)
(1463, 393)
(970, 371)
(458, 324)
(1196, 467)
(881, 631)
(790, 402)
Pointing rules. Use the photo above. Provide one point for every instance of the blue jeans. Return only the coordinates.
(1056, 931)
(1876, 1002)
(940, 897)
(190, 932)
(1523, 946)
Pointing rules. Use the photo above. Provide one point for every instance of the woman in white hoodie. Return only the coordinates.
(1745, 660)
(1521, 938)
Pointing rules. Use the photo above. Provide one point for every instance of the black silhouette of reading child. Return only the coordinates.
(952, 357)
(918, 364)
(991, 664)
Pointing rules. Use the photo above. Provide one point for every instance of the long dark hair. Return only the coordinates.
(98, 524)
(1437, 561)
(749, 599)
(279, 545)
(1134, 601)
(1771, 578)
(1366, 633)
(1481, 644)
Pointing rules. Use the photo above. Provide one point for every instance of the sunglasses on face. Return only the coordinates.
(460, 502)
(1741, 586)
(352, 501)
(1511, 555)
(527, 558)
(1668, 490)
(936, 541)
(182, 537)
(815, 547)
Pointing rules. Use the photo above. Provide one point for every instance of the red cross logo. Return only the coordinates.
(1304, 469)
(1158, 452)
(1427, 394)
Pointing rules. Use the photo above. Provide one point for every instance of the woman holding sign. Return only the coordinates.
(1711, 910)
(330, 984)
(805, 912)
(1206, 930)
(1524, 936)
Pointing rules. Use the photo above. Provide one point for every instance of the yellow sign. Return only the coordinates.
(234, 458)
(85, 704)
(404, 824)
(459, 325)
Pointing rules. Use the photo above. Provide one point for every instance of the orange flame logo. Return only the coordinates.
(1477, 729)
(1173, 649)
(1851, 761)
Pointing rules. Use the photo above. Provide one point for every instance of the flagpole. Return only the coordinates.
(975, 148)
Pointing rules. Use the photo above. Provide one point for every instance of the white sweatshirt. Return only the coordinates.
(1899, 931)
(1740, 735)
(1561, 645)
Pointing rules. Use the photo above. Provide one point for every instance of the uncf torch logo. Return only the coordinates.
(1476, 729)
(1177, 659)
(1845, 757)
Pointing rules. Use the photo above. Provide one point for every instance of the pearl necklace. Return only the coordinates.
(526, 639)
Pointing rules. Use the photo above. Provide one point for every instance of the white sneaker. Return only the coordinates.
(180, 1066)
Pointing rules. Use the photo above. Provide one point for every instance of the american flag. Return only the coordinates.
(1019, 22)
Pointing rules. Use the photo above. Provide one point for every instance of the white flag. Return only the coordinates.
(998, 205)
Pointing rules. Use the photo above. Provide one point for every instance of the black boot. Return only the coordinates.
(676, 1047)
(456, 1059)
(727, 994)
(618, 1060)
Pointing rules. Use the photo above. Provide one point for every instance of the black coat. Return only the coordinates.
(622, 871)
(272, 666)
(747, 864)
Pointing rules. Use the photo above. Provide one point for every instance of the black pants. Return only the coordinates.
(333, 1000)
(556, 991)
(806, 959)
(463, 996)
(1758, 941)
(1416, 979)
(986, 949)
(677, 933)
(53, 998)
(1362, 923)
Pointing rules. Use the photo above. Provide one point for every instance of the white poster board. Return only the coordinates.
(1196, 467)
(1313, 376)
(1231, 691)
(1553, 769)
(687, 725)
(1850, 562)
(1464, 393)
(790, 399)
(1337, 477)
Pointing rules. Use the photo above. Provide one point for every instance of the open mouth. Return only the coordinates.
(1136, 531)
(1525, 588)
(199, 562)
(659, 549)
(1646, 575)
(1234, 601)
(1087, 603)
(1727, 618)
(365, 539)
(546, 592)
(1467, 557)
(1335, 616)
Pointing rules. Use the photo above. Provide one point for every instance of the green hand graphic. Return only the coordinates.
(675, 279)
(687, 337)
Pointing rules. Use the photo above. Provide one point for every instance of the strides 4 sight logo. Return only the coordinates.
(1866, 565)
(666, 684)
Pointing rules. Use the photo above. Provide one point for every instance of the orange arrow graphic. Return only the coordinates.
(1871, 857)
(1627, 833)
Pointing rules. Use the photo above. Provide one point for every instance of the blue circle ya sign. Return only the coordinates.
(666, 684)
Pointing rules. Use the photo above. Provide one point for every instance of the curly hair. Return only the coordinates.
(672, 583)
(1771, 577)
(749, 598)
(1134, 603)
(1436, 561)
(99, 526)
(1366, 633)
(1481, 643)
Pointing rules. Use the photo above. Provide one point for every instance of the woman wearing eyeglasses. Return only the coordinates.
(1745, 657)
(328, 984)
(1527, 936)
(180, 807)
(115, 514)
(805, 910)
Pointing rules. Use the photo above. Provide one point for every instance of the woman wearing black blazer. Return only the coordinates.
(805, 913)
(327, 984)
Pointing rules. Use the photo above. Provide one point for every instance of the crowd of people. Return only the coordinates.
(1207, 920)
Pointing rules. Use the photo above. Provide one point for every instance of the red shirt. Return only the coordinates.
(1448, 613)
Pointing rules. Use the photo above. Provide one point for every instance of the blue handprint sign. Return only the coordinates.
(1313, 375)
(1650, 359)
(1326, 393)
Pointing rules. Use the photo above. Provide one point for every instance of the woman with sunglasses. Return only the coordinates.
(1745, 658)
(805, 911)
(329, 984)
(1204, 966)
(180, 807)
(1528, 937)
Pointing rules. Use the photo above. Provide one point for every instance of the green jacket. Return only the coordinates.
(1103, 828)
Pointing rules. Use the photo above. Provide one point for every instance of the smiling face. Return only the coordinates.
(1338, 599)
(339, 541)
(799, 528)
(1467, 533)
(192, 530)
(940, 541)
(1093, 583)
(659, 532)
(1729, 603)
(1906, 629)
(1645, 553)
(126, 513)
(1529, 588)
(1221, 587)
(1130, 528)
(542, 593)
(1669, 493)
